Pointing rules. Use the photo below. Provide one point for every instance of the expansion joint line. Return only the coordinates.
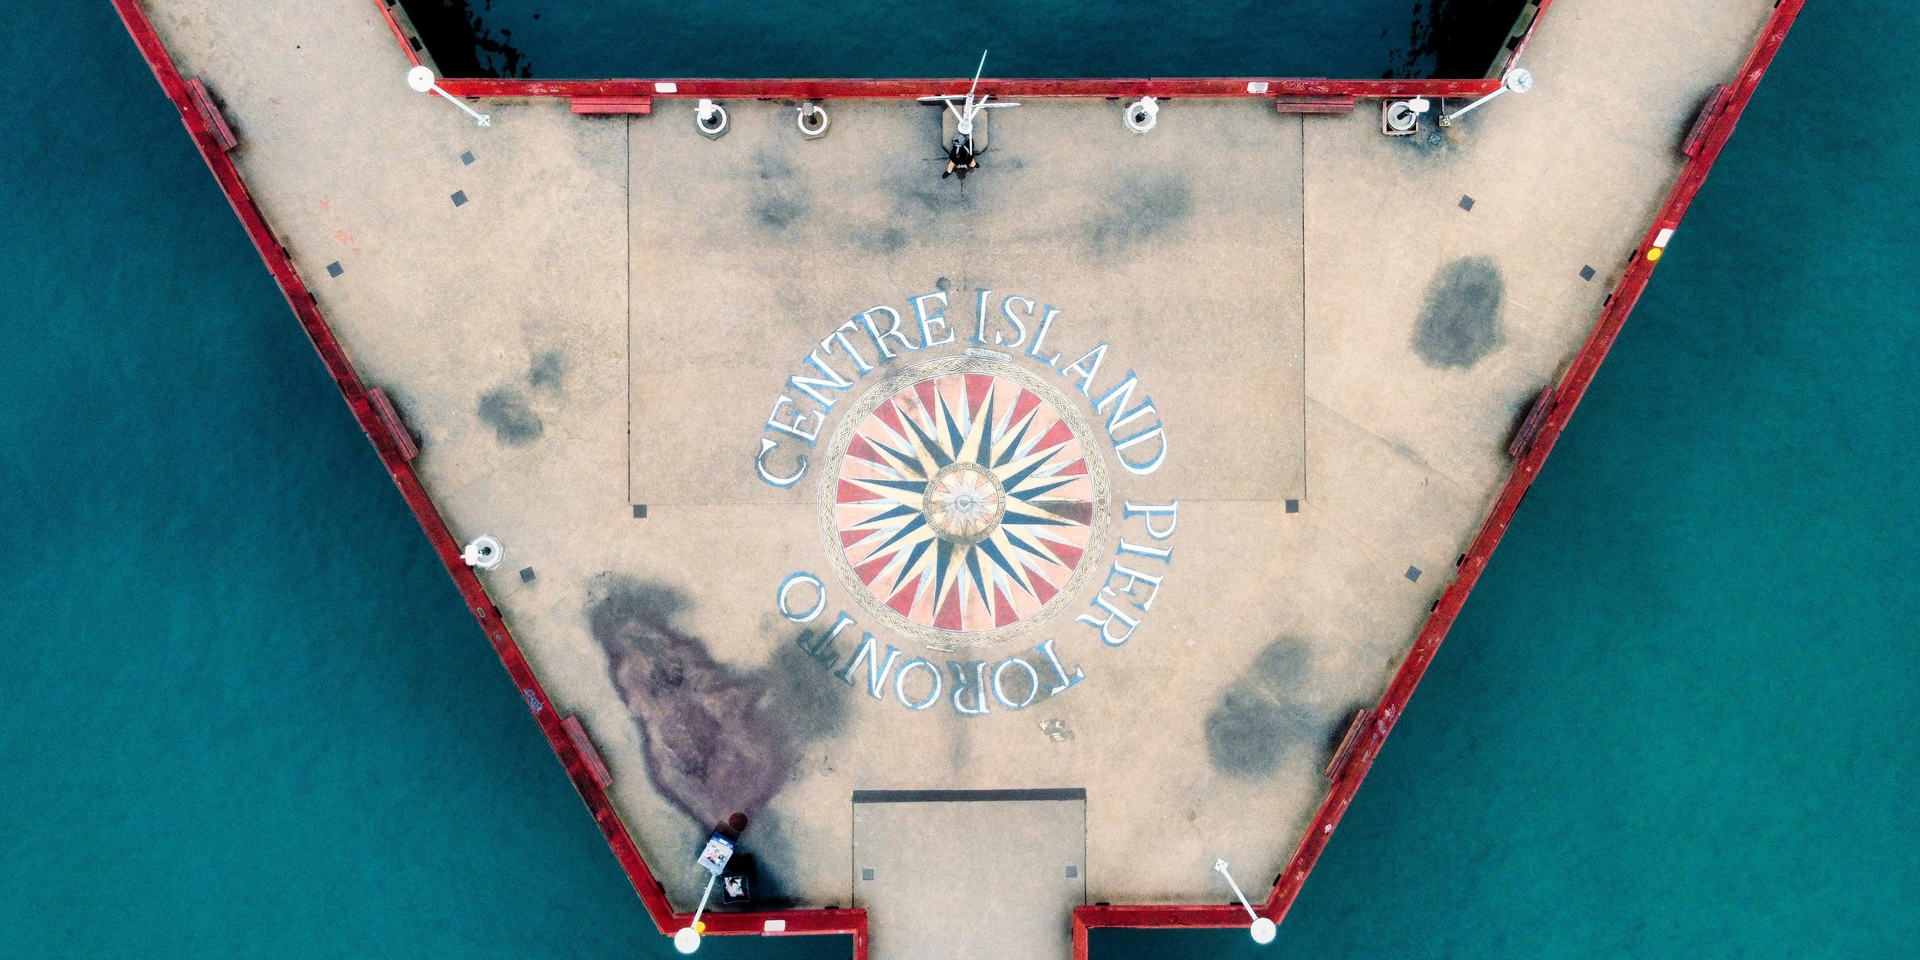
(626, 175)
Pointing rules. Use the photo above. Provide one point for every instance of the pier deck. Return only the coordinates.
(618, 343)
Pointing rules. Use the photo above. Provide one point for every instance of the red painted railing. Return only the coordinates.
(854, 922)
(1164, 87)
(1513, 59)
(399, 33)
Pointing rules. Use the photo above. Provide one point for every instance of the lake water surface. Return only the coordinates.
(248, 716)
(921, 38)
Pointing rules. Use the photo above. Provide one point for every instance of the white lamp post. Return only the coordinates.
(421, 80)
(968, 108)
(1263, 929)
(1517, 80)
(687, 938)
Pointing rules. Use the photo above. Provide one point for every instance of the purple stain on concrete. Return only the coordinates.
(711, 749)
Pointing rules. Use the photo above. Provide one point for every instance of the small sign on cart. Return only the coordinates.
(718, 851)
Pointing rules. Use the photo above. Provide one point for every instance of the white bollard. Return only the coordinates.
(484, 552)
(1142, 114)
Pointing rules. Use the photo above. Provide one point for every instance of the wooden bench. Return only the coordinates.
(613, 105)
(1313, 104)
(210, 116)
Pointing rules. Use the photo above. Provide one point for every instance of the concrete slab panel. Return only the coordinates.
(1180, 249)
(948, 879)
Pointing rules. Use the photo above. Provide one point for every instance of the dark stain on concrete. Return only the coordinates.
(770, 841)
(959, 740)
(1434, 142)
(1143, 209)
(779, 198)
(882, 240)
(718, 740)
(806, 701)
(915, 190)
(1460, 323)
(710, 748)
(916, 193)
(514, 423)
(546, 372)
(1257, 722)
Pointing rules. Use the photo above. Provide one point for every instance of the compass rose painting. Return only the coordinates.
(962, 501)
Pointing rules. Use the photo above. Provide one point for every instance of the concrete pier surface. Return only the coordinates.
(1130, 464)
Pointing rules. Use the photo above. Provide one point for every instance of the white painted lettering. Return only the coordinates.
(1118, 398)
(1019, 329)
(797, 426)
(877, 669)
(928, 321)
(1053, 660)
(962, 683)
(1134, 579)
(840, 334)
(1087, 373)
(900, 683)
(782, 599)
(1141, 469)
(821, 648)
(1105, 627)
(1040, 337)
(808, 385)
(1151, 510)
(772, 479)
(893, 330)
(1000, 685)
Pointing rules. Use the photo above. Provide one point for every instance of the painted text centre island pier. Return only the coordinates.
(980, 557)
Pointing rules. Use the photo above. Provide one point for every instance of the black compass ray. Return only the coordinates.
(929, 449)
(953, 428)
(983, 451)
(901, 462)
(910, 486)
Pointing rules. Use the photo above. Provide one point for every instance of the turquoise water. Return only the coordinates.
(922, 38)
(248, 716)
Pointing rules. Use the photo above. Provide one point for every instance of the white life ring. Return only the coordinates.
(1142, 114)
(484, 552)
(813, 120)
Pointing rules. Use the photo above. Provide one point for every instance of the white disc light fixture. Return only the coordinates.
(1263, 929)
(686, 940)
